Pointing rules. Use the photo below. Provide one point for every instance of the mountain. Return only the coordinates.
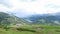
(48, 19)
(7, 19)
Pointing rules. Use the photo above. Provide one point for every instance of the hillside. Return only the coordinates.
(48, 19)
(7, 19)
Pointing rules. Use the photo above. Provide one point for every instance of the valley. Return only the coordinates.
(10, 24)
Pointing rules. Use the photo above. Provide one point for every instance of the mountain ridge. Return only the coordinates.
(51, 19)
(7, 19)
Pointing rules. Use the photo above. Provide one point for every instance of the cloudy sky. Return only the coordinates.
(28, 7)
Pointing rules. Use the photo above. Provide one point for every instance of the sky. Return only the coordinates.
(23, 8)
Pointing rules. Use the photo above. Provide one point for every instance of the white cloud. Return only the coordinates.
(31, 6)
(4, 8)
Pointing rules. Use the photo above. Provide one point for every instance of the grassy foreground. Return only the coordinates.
(31, 29)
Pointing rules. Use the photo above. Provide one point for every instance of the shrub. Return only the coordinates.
(26, 29)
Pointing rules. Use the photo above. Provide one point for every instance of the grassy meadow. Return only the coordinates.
(31, 29)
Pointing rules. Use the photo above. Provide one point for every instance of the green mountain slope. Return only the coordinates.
(7, 19)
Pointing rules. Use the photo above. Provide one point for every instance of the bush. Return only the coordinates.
(26, 29)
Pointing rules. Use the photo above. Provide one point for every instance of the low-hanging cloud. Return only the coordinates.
(27, 7)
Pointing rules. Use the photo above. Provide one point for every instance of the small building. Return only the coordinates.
(18, 24)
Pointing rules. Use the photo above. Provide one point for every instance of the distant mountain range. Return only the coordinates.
(48, 19)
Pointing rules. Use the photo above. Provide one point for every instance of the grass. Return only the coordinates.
(31, 29)
(3, 31)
